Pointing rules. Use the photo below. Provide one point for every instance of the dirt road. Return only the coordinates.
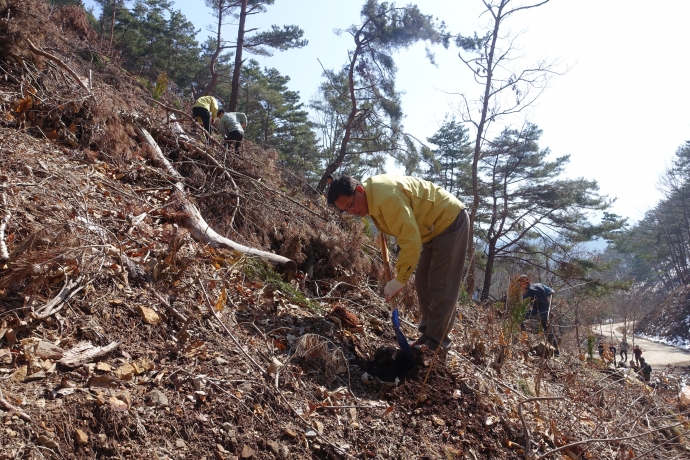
(657, 354)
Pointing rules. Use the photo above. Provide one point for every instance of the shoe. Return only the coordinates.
(419, 345)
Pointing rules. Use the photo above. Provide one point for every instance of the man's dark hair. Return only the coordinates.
(220, 111)
(343, 185)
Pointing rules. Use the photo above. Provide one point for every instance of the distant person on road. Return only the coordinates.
(231, 126)
(624, 351)
(637, 352)
(205, 109)
(540, 296)
(612, 349)
(645, 370)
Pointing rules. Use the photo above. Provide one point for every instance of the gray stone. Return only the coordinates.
(156, 398)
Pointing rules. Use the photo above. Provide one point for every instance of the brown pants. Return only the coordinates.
(438, 279)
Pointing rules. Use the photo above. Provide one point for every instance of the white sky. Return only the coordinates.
(620, 112)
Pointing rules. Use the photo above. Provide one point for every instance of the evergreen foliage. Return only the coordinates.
(278, 119)
(152, 38)
(658, 246)
(450, 164)
(527, 212)
(373, 122)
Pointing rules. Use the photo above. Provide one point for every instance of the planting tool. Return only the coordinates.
(395, 317)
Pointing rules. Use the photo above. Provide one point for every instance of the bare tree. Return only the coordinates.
(506, 89)
(276, 38)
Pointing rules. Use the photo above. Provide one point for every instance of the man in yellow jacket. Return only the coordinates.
(432, 229)
(206, 108)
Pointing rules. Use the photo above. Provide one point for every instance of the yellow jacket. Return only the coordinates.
(209, 103)
(413, 210)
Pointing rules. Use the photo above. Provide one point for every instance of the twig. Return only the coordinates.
(59, 62)
(587, 441)
(4, 403)
(4, 253)
(528, 440)
(53, 305)
(179, 316)
(234, 339)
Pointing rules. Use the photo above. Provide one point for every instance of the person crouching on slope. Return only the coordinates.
(206, 109)
(231, 127)
(540, 296)
(432, 230)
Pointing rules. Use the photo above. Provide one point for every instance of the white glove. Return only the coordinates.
(392, 287)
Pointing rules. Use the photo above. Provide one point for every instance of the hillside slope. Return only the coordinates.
(125, 333)
(669, 322)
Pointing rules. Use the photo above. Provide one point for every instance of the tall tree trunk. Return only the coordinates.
(212, 64)
(477, 148)
(488, 272)
(234, 96)
(331, 168)
(112, 23)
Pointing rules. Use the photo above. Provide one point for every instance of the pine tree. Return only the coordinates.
(527, 210)
(374, 115)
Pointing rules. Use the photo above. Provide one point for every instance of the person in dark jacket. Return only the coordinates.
(540, 296)
(645, 370)
(637, 353)
(600, 348)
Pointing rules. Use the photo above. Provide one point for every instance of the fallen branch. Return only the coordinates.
(158, 157)
(178, 316)
(59, 62)
(6, 404)
(172, 110)
(4, 253)
(202, 232)
(587, 441)
(56, 303)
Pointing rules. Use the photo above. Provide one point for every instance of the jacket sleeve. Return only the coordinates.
(243, 122)
(400, 220)
(214, 109)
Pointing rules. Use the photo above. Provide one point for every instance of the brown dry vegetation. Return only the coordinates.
(214, 354)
